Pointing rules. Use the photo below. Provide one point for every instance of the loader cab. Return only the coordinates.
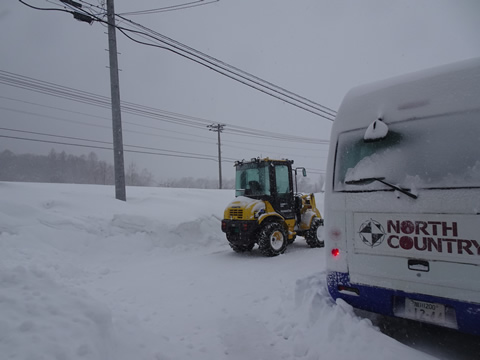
(267, 180)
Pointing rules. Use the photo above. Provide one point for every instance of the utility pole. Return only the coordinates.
(218, 129)
(120, 193)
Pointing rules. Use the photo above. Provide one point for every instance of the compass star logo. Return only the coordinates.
(372, 233)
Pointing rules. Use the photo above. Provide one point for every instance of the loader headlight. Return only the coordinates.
(258, 213)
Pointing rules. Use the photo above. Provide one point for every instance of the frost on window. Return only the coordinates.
(434, 152)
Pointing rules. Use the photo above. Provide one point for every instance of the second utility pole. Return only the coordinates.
(218, 129)
(119, 168)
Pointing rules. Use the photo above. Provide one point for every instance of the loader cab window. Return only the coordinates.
(252, 180)
(283, 202)
(282, 179)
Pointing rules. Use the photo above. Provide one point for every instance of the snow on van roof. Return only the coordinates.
(444, 89)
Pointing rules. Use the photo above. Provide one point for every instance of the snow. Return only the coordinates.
(440, 90)
(84, 276)
(246, 202)
(376, 166)
(376, 130)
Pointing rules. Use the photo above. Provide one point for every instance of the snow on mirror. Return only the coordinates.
(377, 130)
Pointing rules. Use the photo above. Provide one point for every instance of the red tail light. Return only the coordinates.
(335, 252)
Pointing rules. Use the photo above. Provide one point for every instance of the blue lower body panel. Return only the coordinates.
(461, 315)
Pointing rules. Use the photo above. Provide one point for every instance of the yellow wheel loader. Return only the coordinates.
(267, 211)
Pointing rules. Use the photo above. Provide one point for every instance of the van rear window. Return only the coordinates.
(434, 152)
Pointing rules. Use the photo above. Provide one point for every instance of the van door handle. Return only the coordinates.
(418, 265)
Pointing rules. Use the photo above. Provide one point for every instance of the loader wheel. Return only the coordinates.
(241, 248)
(272, 239)
(315, 236)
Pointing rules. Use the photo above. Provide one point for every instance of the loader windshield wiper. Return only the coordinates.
(365, 181)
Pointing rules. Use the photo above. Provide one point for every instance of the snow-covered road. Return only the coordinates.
(84, 276)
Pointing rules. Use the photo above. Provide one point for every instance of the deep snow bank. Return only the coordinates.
(321, 329)
(42, 320)
(57, 240)
(84, 276)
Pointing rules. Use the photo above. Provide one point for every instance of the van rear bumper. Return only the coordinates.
(460, 315)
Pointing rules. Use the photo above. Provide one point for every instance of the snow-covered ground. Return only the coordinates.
(84, 276)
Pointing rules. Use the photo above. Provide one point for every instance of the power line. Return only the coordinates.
(170, 8)
(52, 89)
(236, 131)
(76, 14)
(244, 143)
(195, 155)
(157, 151)
(52, 107)
(237, 73)
(100, 147)
(274, 136)
(50, 117)
(107, 127)
(180, 45)
(170, 41)
(99, 141)
(89, 98)
(232, 75)
(127, 145)
(308, 155)
(222, 68)
(322, 108)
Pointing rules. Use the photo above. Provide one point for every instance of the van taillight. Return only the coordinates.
(348, 290)
(335, 252)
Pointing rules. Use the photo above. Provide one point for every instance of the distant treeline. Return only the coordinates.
(197, 183)
(60, 167)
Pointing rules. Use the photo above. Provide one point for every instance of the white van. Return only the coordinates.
(402, 197)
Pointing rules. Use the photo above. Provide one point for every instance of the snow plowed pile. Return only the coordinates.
(84, 276)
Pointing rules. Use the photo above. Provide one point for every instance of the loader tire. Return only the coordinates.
(241, 248)
(272, 239)
(315, 236)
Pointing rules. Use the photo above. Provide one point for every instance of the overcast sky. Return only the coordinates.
(314, 48)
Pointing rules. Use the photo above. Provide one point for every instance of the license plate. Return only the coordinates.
(425, 311)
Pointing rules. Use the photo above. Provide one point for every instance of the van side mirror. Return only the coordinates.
(377, 130)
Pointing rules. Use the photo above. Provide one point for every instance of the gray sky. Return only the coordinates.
(315, 48)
